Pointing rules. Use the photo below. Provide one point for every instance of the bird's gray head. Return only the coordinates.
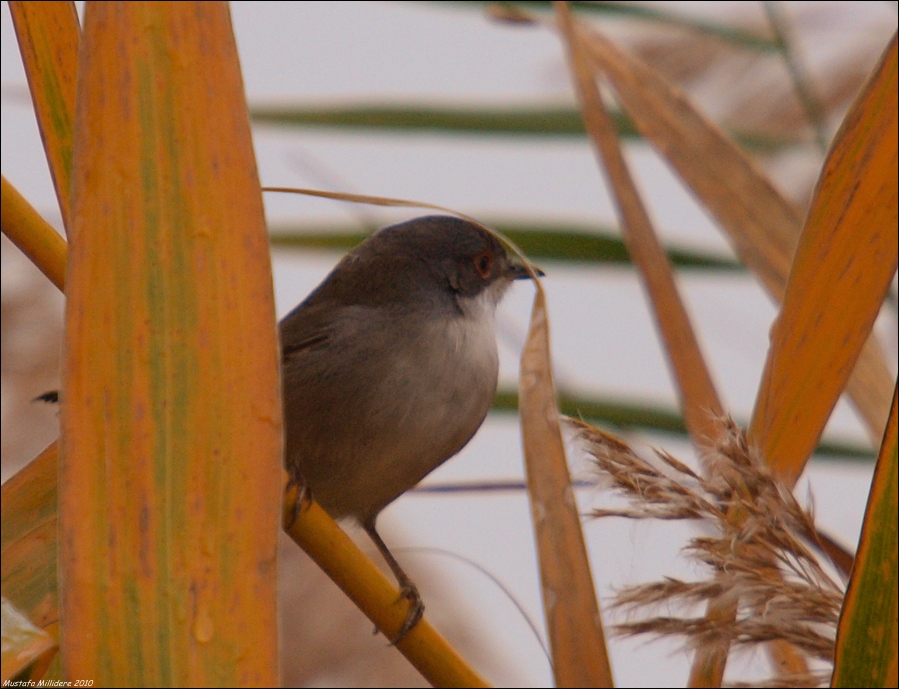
(433, 261)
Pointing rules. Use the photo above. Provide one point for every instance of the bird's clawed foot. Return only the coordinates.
(416, 610)
(408, 590)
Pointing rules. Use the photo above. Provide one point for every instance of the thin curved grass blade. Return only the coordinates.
(541, 242)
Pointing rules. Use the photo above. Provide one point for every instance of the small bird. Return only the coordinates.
(390, 366)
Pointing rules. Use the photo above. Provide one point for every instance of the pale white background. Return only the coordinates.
(603, 338)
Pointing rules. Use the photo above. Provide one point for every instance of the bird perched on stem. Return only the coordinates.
(390, 366)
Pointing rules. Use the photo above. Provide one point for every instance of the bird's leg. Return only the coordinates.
(407, 588)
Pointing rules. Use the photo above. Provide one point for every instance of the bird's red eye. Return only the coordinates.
(483, 264)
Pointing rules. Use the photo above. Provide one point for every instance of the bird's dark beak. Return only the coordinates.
(516, 271)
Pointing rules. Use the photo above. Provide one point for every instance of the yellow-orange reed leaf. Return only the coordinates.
(867, 636)
(32, 234)
(28, 540)
(27, 650)
(170, 461)
(846, 257)
(49, 34)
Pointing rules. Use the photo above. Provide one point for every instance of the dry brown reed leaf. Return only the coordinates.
(767, 562)
(753, 92)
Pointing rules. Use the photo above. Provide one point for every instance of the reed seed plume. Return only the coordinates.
(762, 554)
